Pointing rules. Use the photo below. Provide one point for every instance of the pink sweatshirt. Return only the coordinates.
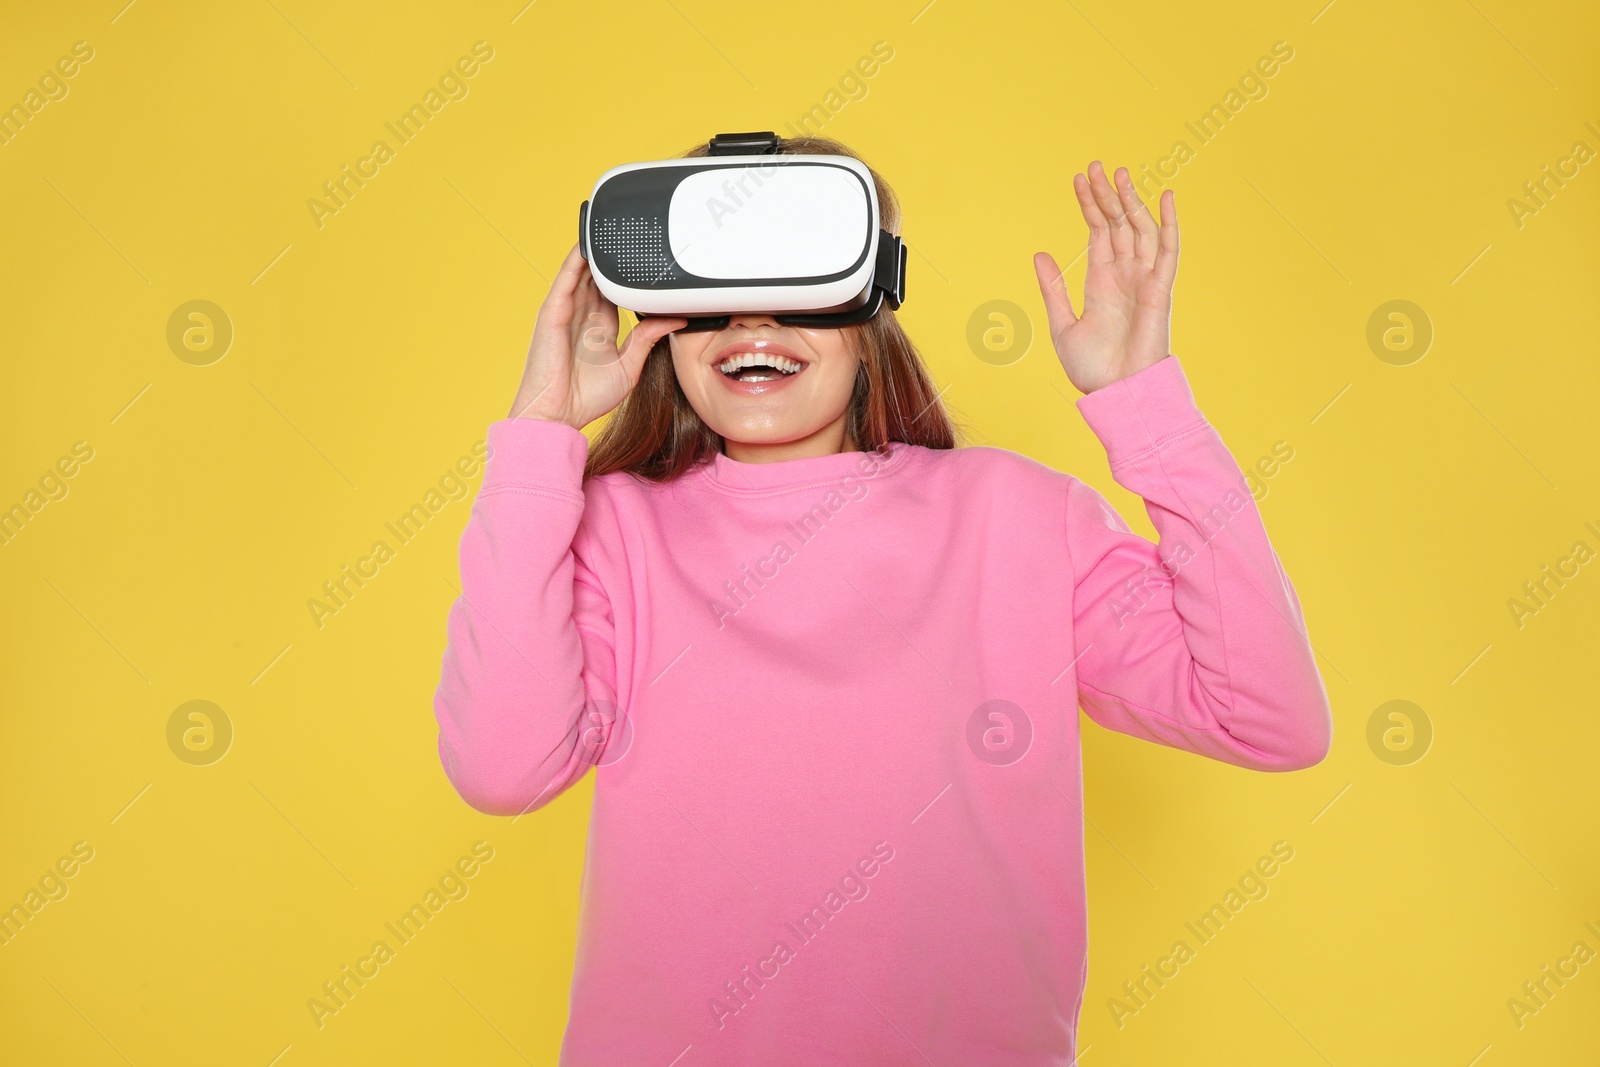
(832, 707)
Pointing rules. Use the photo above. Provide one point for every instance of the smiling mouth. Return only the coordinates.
(759, 367)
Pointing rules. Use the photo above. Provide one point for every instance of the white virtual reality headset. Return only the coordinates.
(743, 229)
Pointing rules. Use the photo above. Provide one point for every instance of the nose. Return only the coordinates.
(750, 320)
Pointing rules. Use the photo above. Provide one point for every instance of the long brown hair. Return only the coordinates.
(656, 434)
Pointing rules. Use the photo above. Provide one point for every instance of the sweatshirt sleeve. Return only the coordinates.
(1196, 642)
(526, 695)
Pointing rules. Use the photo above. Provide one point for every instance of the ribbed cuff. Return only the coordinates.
(1142, 411)
(537, 454)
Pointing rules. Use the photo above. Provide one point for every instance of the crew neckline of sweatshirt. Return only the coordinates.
(731, 475)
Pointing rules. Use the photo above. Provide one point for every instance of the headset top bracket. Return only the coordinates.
(744, 144)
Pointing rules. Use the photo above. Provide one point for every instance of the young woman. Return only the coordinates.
(828, 666)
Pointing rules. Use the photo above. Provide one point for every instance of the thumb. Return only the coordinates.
(1053, 287)
(642, 338)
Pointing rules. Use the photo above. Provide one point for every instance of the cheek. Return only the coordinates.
(837, 358)
(830, 345)
(688, 345)
(839, 378)
(687, 353)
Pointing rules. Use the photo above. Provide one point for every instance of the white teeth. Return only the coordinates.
(759, 359)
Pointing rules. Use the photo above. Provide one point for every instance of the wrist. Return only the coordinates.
(1125, 370)
(531, 409)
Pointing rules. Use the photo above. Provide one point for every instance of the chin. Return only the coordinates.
(764, 435)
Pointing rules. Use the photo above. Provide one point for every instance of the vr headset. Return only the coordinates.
(743, 229)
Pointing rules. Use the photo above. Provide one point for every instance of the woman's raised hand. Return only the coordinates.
(575, 372)
(1127, 296)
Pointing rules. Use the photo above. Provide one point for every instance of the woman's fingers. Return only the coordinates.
(1144, 224)
(587, 298)
(1099, 230)
(1057, 303)
(1166, 265)
(1111, 208)
(1121, 226)
(559, 303)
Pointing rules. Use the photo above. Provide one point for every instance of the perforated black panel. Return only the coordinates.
(635, 247)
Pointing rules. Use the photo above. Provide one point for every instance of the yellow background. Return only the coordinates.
(371, 353)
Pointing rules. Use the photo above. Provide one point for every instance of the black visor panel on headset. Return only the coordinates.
(793, 236)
